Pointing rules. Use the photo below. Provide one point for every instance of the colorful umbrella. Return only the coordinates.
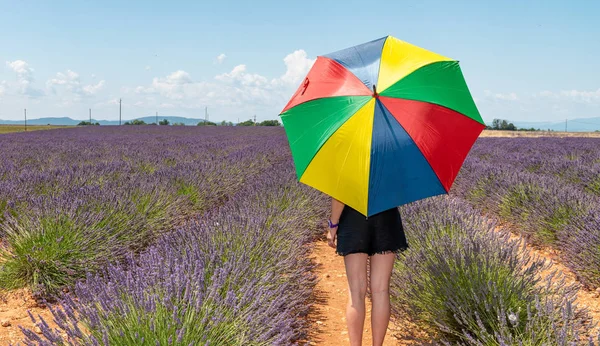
(381, 124)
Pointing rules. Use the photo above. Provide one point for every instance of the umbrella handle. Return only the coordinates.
(306, 81)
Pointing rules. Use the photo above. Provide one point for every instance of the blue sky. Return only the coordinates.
(523, 60)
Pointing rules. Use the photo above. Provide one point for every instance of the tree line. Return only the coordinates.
(201, 123)
(503, 125)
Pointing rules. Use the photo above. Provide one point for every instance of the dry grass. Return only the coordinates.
(21, 128)
(495, 133)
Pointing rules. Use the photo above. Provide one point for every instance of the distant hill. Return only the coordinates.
(42, 121)
(69, 121)
(573, 125)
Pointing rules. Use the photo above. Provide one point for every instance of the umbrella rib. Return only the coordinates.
(345, 160)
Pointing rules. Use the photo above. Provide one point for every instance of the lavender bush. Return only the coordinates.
(71, 199)
(581, 249)
(546, 187)
(240, 275)
(472, 285)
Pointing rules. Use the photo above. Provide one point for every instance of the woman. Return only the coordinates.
(357, 237)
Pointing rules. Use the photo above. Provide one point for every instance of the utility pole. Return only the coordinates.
(90, 116)
(205, 115)
(119, 112)
(25, 119)
(565, 125)
(156, 118)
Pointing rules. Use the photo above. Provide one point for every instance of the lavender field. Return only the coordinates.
(152, 235)
(548, 188)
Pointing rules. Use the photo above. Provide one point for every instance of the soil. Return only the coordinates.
(13, 309)
(327, 318)
(590, 299)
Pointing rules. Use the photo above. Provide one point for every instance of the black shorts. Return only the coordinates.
(380, 233)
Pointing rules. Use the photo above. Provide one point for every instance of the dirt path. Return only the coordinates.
(328, 318)
(328, 322)
(13, 309)
(585, 298)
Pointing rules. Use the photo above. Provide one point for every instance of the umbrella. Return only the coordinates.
(381, 124)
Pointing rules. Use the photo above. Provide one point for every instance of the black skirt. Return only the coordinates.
(378, 234)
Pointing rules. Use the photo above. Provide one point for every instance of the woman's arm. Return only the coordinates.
(336, 210)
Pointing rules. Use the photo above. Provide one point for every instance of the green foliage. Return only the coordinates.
(178, 124)
(246, 123)
(135, 122)
(594, 186)
(86, 123)
(49, 250)
(46, 254)
(199, 324)
(499, 124)
(471, 285)
(206, 123)
(191, 192)
(226, 123)
(529, 129)
(163, 122)
(270, 123)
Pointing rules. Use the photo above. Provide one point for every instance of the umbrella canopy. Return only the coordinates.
(381, 124)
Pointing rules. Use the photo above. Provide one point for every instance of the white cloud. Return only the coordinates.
(21, 68)
(174, 86)
(239, 74)
(148, 68)
(24, 78)
(71, 81)
(581, 96)
(298, 65)
(93, 88)
(545, 105)
(239, 89)
(2, 87)
(221, 58)
(499, 96)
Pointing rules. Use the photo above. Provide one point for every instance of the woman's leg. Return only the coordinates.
(356, 272)
(381, 271)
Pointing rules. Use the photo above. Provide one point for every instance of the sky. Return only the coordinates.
(522, 60)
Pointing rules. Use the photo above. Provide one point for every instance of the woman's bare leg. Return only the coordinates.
(356, 271)
(381, 271)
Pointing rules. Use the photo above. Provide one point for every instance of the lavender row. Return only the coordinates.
(573, 161)
(72, 199)
(467, 284)
(240, 275)
(544, 206)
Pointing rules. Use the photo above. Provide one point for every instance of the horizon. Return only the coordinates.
(528, 62)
